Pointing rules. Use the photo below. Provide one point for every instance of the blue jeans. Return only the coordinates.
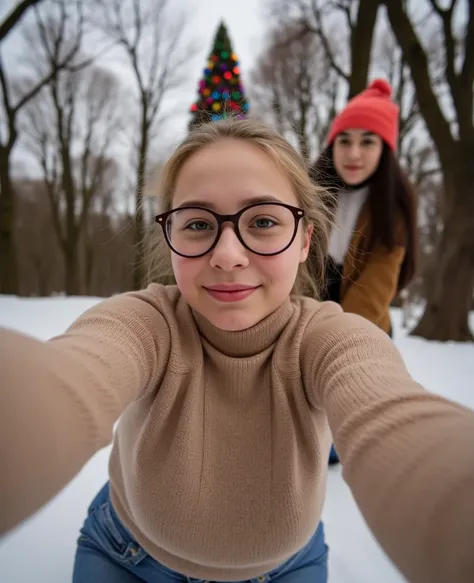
(333, 457)
(107, 552)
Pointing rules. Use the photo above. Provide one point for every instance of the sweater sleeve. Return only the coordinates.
(59, 399)
(407, 454)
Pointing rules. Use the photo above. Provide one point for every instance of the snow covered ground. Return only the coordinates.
(42, 549)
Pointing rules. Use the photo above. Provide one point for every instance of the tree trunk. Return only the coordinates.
(71, 268)
(8, 259)
(139, 226)
(361, 45)
(302, 131)
(88, 262)
(446, 314)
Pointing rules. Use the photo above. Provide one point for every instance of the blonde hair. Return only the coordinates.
(312, 198)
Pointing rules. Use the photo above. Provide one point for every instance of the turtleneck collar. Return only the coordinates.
(248, 342)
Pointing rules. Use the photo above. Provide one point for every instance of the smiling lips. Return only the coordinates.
(352, 168)
(230, 292)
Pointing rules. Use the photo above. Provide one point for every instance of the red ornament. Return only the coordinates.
(228, 75)
(214, 58)
(236, 70)
(216, 79)
(194, 107)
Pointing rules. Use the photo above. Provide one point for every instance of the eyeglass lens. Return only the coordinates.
(265, 229)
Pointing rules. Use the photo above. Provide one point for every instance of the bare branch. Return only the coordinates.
(292, 87)
(15, 16)
(446, 16)
(442, 11)
(86, 117)
(358, 25)
(418, 62)
(319, 30)
(155, 62)
(56, 62)
(467, 69)
(345, 8)
(10, 115)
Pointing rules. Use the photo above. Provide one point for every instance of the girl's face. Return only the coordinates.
(356, 155)
(226, 177)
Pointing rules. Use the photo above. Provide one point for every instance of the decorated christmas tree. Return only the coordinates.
(220, 92)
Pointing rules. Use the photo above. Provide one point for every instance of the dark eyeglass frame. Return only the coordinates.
(297, 213)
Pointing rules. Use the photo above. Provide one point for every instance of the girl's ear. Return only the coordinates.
(307, 234)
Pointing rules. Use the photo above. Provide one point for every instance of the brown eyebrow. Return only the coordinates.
(245, 202)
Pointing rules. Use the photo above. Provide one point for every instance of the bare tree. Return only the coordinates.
(154, 44)
(101, 209)
(64, 32)
(39, 257)
(294, 87)
(389, 60)
(71, 131)
(15, 16)
(108, 237)
(345, 29)
(450, 297)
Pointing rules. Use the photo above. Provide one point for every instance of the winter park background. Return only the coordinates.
(75, 153)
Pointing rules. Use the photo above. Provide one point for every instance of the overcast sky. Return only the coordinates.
(245, 23)
(247, 29)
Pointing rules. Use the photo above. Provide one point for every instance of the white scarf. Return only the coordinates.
(349, 205)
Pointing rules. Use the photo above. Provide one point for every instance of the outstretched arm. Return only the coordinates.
(60, 399)
(408, 455)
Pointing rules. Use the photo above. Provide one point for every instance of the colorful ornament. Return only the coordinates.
(220, 92)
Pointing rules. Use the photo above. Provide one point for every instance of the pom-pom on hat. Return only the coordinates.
(373, 111)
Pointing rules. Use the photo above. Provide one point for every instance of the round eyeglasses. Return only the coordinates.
(264, 228)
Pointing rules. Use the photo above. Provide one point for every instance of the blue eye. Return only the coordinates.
(198, 226)
(262, 223)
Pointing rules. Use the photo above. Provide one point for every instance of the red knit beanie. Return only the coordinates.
(371, 110)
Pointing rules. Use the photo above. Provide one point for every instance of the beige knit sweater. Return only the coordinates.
(219, 462)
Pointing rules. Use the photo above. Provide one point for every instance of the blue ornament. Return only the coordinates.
(215, 95)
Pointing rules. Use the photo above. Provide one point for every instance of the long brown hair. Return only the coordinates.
(391, 196)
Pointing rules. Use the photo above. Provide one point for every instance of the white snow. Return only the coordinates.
(42, 549)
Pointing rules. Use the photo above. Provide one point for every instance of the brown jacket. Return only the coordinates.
(370, 279)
